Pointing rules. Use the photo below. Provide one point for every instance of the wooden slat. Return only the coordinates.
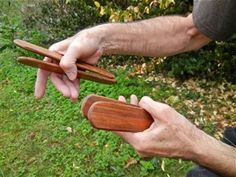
(56, 68)
(92, 98)
(118, 117)
(55, 55)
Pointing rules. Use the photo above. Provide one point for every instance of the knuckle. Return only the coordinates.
(85, 34)
(145, 99)
(64, 65)
(47, 59)
(164, 109)
(53, 47)
(75, 44)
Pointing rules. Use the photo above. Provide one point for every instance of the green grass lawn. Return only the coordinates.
(50, 137)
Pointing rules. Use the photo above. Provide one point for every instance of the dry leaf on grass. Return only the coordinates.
(130, 161)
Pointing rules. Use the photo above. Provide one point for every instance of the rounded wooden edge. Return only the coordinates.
(84, 103)
(90, 111)
(95, 105)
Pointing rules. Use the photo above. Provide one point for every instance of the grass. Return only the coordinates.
(50, 137)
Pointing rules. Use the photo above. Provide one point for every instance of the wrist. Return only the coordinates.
(215, 155)
(194, 139)
(121, 38)
(97, 34)
(202, 148)
(110, 41)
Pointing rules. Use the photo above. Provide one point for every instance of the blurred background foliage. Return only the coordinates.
(62, 18)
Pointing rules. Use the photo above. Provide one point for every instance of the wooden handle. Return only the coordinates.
(92, 98)
(56, 69)
(55, 55)
(95, 77)
(118, 117)
(95, 69)
(37, 49)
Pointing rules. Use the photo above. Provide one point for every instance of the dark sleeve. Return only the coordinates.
(215, 18)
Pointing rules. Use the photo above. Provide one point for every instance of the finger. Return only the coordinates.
(42, 75)
(94, 58)
(159, 111)
(77, 86)
(122, 99)
(149, 105)
(127, 136)
(40, 84)
(133, 100)
(132, 139)
(61, 46)
(60, 84)
(72, 88)
(68, 61)
(41, 81)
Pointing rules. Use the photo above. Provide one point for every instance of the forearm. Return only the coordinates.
(161, 36)
(216, 155)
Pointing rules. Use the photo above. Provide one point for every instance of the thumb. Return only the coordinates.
(158, 111)
(68, 61)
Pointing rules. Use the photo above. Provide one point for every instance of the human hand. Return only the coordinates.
(83, 46)
(170, 135)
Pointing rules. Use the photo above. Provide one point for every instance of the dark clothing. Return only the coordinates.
(215, 18)
(230, 139)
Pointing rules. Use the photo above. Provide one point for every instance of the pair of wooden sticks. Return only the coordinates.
(108, 114)
(95, 74)
(103, 113)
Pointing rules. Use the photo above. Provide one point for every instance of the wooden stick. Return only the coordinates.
(54, 55)
(109, 114)
(118, 117)
(92, 98)
(56, 69)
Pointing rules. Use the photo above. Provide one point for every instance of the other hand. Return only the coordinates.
(170, 135)
(83, 46)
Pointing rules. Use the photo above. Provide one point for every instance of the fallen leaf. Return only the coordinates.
(31, 160)
(130, 161)
(163, 165)
(69, 129)
(32, 135)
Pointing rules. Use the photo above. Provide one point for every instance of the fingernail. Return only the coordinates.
(122, 99)
(71, 75)
(74, 100)
(38, 94)
(67, 95)
(37, 97)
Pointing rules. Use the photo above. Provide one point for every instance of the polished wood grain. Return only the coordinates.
(56, 69)
(54, 55)
(118, 117)
(92, 98)
(109, 114)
